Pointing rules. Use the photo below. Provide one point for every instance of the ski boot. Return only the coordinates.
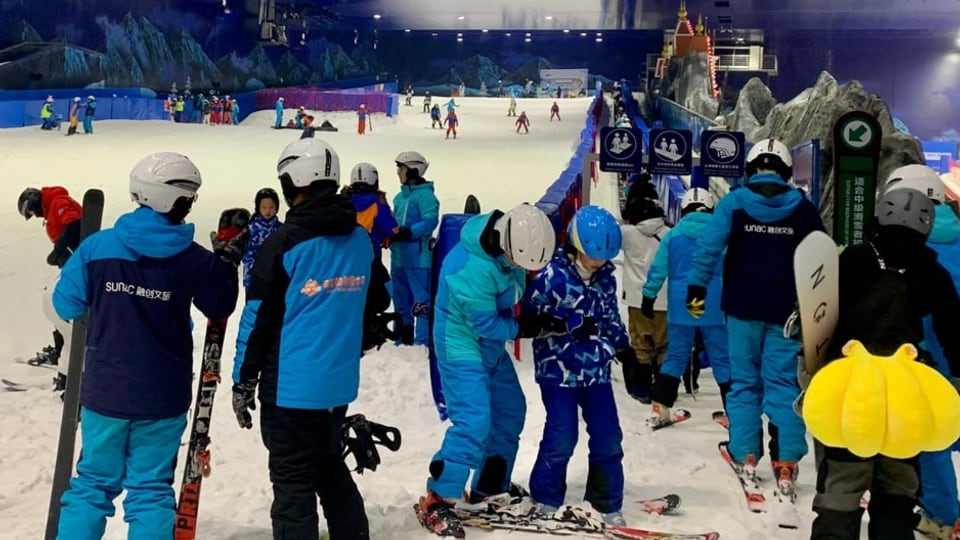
(438, 516)
(747, 469)
(48, 357)
(786, 474)
(614, 518)
(931, 528)
(661, 415)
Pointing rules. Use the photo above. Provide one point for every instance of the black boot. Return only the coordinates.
(836, 525)
(638, 379)
(665, 390)
(724, 390)
(406, 334)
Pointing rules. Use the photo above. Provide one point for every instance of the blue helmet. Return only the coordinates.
(595, 233)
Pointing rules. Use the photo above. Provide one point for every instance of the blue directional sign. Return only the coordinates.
(621, 150)
(722, 153)
(671, 151)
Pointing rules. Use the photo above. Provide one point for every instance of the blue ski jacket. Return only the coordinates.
(415, 207)
(945, 240)
(260, 228)
(301, 329)
(476, 293)
(559, 290)
(760, 234)
(138, 280)
(673, 261)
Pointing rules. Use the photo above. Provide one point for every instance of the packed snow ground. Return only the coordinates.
(488, 160)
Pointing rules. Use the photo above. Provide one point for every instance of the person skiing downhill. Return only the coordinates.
(418, 212)
(672, 262)
(137, 282)
(299, 342)
(940, 510)
(523, 122)
(764, 221)
(573, 369)
(61, 219)
(480, 281)
(887, 286)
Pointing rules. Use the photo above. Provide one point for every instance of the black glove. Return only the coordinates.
(58, 257)
(402, 235)
(244, 401)
(541, 325)
(646, 307)
(627, 356)
(696, 301)
(582, 328)
(230, 250)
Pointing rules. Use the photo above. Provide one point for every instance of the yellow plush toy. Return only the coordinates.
(890, 405)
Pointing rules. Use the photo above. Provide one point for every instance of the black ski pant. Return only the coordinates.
(305, 463)
(842, 479)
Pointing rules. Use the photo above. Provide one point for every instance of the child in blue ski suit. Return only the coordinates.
(481, 280)
(573, 370)
(138, 280)
(89, 111)
(759, 226)
(264, 222)
(938, 477)
(279, 108)
(673, 261)
(418, 213)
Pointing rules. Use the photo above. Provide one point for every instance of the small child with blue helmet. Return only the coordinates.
(573, 369)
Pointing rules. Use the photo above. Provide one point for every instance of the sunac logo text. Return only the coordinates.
(334, 285)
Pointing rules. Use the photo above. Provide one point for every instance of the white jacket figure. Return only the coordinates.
(640, 243)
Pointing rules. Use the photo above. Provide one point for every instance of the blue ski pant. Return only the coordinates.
(548, 483)
(88, 124)
(763, 377)
(680, 340)
(279, 122)
(138, 456)
(938, 478)
(487, 410)
(411, 287)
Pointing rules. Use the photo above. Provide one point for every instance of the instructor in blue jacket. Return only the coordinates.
(417, 211)
(299, 341)
(759, 226)
(481, 281)
(138, 281)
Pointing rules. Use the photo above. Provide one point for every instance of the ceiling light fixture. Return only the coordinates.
(599, 40)
(549, 17)
(566, 30)
(461, 17)
(376, 16)
(583, 34)
(407, 30)
(485, 30)
(527, 40)
(459, 40)
(507, 34)
(527, 34)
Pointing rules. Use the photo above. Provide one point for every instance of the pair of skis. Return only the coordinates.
(522, 514)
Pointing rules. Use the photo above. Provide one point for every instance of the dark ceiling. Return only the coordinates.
(771, 15)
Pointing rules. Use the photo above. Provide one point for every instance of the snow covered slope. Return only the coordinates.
(489, 160)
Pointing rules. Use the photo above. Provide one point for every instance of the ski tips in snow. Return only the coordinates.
(471, 205)
(666, 504)
(676, 416)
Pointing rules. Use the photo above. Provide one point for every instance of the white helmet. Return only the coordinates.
(306, 161)
(770, 154)
(76, 100)
(527, 237)
(918, 177)
(699, 196)
(160, 180)
(365, 173)
(414, 161)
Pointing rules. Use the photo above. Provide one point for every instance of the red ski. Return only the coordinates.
(756, 502)
(661, 505)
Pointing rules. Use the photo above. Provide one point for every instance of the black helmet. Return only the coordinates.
(265, 193)
(30, 203)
